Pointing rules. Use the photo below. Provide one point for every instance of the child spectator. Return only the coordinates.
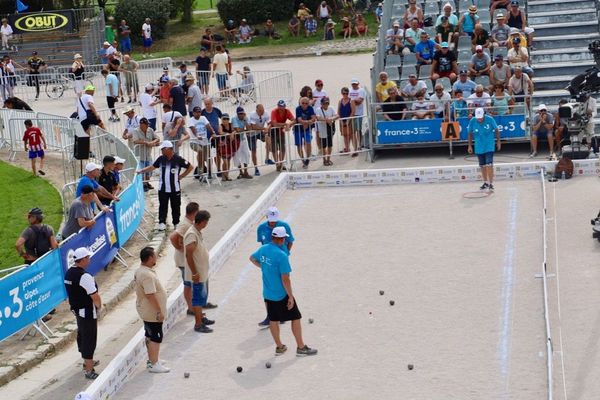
(35, 143)
(459, 107)
(245, 31)
(422, 109)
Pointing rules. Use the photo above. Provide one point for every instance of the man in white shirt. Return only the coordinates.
(413, 88)
(199, 127)
(6, 31)
(147, 37)
(148, 103)
(358, 95)
(260, 122)
(219, 68)
(86, 110)
(479, 99)
(441, 100)
(318, 93)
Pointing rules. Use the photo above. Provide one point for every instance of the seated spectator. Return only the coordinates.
(425, 49)
(515, 33)
(446, 32)
(230, 31)
(516, 19)
(560, 127)
(346, 31)
(294, 26)
(459, 107)
(245, 31)
(394, 40)
(329, 31)
(499, 72)
(542, 126)
(448, 12)
(519, 57)
(500, 33)
(480, 63)
(383, 86)
(412, 35)
(444, 64)
(467, 21)
(413, 88)
(480, 37)
(209, 41)
(413, 12)
(441, 101)
(303, 12)
(479, 99)
(394, 107)
(466, 85)
(360, 26)
(270, 30)
(499, 4)
(501, 101)
(421, 108)
(247, 83)
(520, 87)
(379, 12)
(324, 12)
(310, 26)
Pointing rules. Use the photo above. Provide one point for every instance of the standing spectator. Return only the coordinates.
(220, 68)
(394, 107)
(310, 26)
(177, 133)
(259, 122)
(151, 306)
(346, 28)
(227, 144)
(230, 31)
(245, 31)
(119, 165)
(357, 95)
(129, 68)
(395, 40)
(35, 144)
(124, 39)
(176, 239)
(148, 101)
(467, 21)
(520, 87)
(114, 66)
(131, 124)
(542, 125)
(164, 87)
(107, 179)
(10, 70)
(199, 127)
(241, 158)
(80, 212)
(446, 32)
(480, 63)
(147, 38)
(294, 26)
(281, 120)
(144, 140)
(500, 32)
(466, 85)
(78, 70)
(92, 173)
(382, 87)
(346, 111)
(413, 12)
(177, 97)
(483, 128)
(444, 64)
(209, 41)
(303, 12)
(305, 118)
(518, 56)
(85, 303)
(481, 37)
(196, 271)
(324, 12)
(448, 12)
(413, 88)
(277, 291)
(193, 94)
(425, 49)
(500, 72)
(105, 52)
(318, 93)
(361, 26)
(516, 19)
(379, 12)
(35, 66)
(170, 165)
(6, 31)
(203, 64)
(441, 101)
(326, 117)
(112, 94)
(264, 235)
(86, 110)
(37, 239)
(110, 32)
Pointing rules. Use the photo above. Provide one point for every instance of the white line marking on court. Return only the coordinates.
(508, 277)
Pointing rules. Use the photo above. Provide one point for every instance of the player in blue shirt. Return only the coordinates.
(484, 129)
(277, 291)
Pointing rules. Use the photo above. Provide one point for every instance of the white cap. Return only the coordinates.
(478, 47)
(542, 107)
(128, 109)
(396, 23)
(91, 166)
(119, 160)
(273, 214)
(165, 145)
(106, 43)
(279, 232)
(80, 253)
(353, 81)
(76, 56)
(149, 86)
(479, 113)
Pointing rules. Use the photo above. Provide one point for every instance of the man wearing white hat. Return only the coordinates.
(483, 129)
(77, 69)
(357, 95)
(85, 303)
(92, 173)
(281, 304)
(170, 165)
(131, 124)
(542, 125)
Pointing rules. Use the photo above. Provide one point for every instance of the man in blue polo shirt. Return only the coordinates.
(484, 129)
(277, 291)
(305, 119)
(92, 172)
(264, 236)
(425, 49)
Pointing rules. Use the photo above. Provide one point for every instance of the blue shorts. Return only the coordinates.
(221, 81)
(185, 283)
(301, 136)
(147, 42)
(36, 154)
(126, 45)
(486, 158)
(542, 133)
(357, 124)
(199, 294)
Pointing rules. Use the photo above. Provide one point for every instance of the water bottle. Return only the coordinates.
(563, 176)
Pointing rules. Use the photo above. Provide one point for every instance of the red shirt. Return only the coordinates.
(33, 137)
(276, 116)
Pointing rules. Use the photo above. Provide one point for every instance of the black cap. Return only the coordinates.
(197, 109)
(35, 211)
(144, 121)
(87, 189)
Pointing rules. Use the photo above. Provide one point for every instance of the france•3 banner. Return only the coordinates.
(129, 210)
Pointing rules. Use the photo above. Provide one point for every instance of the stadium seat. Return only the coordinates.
(393, 60)
(483, 80)
(431, 8)
(409, 60)
(482, 5)
(445, 82)
(430, 30)
(484, 16)
(393, 73)
(464, 56)
(429, 85)
(424, 71)
(463, 5)
(501, 50)
(464, 42)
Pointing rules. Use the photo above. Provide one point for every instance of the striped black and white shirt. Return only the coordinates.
(169, 172)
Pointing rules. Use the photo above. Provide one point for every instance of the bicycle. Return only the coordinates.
(57, 85)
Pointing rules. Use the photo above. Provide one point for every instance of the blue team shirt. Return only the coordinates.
(304, 115)
(264, 231)
(274, 262)
(467, 87)
(85, 180)
(425, 49)
(484, 134)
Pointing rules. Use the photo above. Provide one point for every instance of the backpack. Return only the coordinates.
(40, 244)
(564, 165)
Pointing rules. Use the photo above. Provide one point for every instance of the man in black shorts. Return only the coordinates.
(85, 303)
(277, 291)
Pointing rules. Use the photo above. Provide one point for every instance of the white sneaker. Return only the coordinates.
(162, 227)
(158, 368)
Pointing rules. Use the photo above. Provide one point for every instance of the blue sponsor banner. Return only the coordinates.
(100, 239)
(30, 293)
(129, 210)
(429, 130)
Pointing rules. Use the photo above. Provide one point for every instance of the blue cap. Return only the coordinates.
(240, 110)
(444, 45)
(281, 103)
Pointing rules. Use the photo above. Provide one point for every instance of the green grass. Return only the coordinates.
(20, 191)
(205, 4)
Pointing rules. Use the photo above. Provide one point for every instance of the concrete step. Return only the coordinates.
(554, 17)
(562, 68)
(564, 41)
(566, 28)
(554, 82)
(553, 5)
(560, 55)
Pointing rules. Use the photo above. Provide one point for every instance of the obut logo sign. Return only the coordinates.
(41, 22)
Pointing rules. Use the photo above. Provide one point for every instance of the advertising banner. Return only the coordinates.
(511, 126)
(41, 21)
(129, 210)
(100, 239)
(30, 293)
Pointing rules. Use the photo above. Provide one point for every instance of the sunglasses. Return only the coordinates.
(439, 90)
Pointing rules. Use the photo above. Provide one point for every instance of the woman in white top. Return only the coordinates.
(6, 31)
(413, 11)
(326, 117)
(9, 69)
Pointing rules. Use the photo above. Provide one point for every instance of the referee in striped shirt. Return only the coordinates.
(170, 165)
